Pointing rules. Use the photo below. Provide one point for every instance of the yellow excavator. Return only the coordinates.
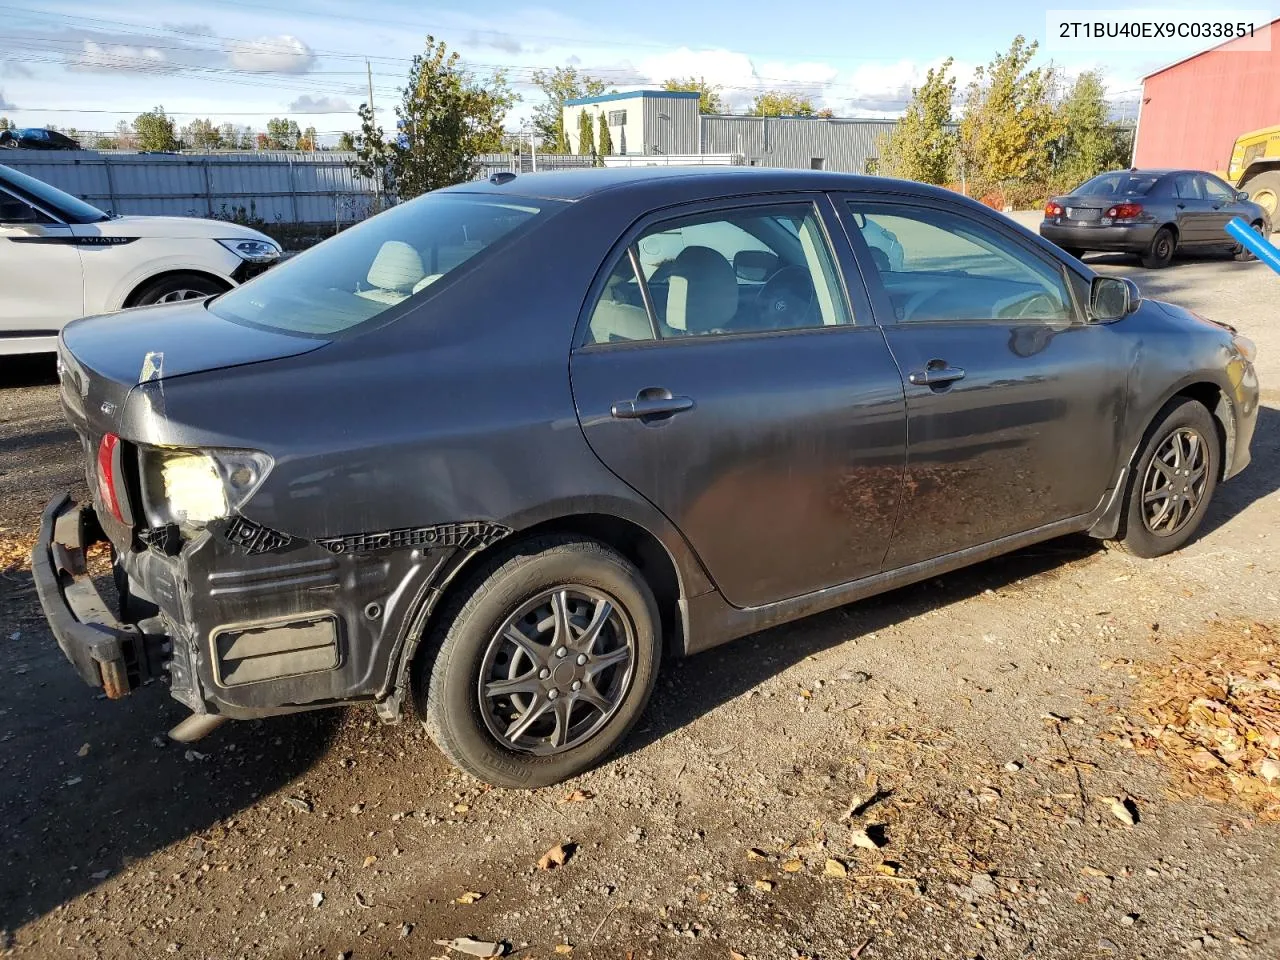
(1255, 167)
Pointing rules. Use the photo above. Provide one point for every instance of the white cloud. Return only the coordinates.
(309, 104)
(6, 104)
(282, 54)
(97, 57)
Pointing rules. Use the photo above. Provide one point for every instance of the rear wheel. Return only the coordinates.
(1174, 480)
(1160, 252)
(546, 661)
(1242, 253)
(177, 287)
(1264, 190)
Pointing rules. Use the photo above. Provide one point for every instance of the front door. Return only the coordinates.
(1014, 402)
(1194, 214)
(41, 284)
(1222, 207)
(725, 376)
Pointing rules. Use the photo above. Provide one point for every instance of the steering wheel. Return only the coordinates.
(1022, 310)
(786, 299)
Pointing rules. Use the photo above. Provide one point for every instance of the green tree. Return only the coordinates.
(709, 99)
(6, 123)
(586, 138)
(558, 86)
(282, 134)
(201, 135)
(779, 103)
(155, 131)
(375, 158)
(446, 118)
(346, 140)
(1090, 143)
(921, 146)
(604, 142)
(1010, 120)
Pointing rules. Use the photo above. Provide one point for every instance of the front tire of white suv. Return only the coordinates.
(175, 287)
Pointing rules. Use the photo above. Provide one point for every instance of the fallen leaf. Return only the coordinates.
(369, 861)
(555, 857)
(564, 948)
(764, 885)
(755, 853)
(577, 796)
(834, 868)
(472, 948)
(460, 808)
(1269, 770)
(735, 955)
(860, 838)
(1093, 872)
(888, 869)
(83, 751)
(793, 866)
(470, 897)
(1122, 808)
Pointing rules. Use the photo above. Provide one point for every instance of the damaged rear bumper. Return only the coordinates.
(105, 652)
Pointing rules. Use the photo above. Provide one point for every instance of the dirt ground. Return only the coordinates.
(962, 723)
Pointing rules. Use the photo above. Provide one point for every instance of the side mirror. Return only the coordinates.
(1242, 194)
(755, 266)
(1112, 298)
(13, 210)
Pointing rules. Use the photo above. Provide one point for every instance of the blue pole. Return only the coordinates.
(1264, 250)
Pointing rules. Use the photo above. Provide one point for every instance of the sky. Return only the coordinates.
(89, 65)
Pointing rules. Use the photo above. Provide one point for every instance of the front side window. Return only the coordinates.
(746, 270)
(367, 270)
(947, 266)
(1215, 189)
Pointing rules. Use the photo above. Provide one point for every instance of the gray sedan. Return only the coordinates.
(1153, 213)
(503, 448)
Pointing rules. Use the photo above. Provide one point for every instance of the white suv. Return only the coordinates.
(62, 258)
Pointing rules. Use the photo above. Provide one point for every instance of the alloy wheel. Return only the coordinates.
(557, 670)
(1175, 482)
(183, 293)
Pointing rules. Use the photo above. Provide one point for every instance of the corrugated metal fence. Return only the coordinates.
(848, 146)
(278, 187)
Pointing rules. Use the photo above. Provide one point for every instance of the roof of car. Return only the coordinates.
(579, 184)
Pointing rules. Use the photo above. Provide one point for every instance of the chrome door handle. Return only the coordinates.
(937, 373)
(650, 403)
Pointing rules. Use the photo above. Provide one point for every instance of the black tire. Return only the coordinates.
(1136, 533)
(178, 286)
(1160, 252)
(1241, 253)
(448, 676)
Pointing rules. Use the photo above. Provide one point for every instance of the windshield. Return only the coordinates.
(367, 270)
(1121, 184)
(64, 205)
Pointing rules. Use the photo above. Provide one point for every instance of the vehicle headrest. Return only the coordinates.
(702, 294)
(396, 267)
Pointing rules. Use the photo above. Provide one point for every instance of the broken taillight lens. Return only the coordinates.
(110, 486)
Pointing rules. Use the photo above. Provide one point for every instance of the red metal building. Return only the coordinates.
(1193, 110)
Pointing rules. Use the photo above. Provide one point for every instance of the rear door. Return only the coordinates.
(1194, 220)
(1014, 403)
(724, 373)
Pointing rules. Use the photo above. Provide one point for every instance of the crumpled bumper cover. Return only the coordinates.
(105, 652)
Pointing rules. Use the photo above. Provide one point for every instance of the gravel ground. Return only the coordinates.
(922, 775)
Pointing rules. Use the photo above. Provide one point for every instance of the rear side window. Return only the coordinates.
(364, 272)
(1187, 187)
(745, 270)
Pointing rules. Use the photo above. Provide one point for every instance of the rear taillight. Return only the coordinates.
(110, 486)
(1052, 209)
(1124, 211)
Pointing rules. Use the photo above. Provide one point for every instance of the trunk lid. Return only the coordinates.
(101, 359)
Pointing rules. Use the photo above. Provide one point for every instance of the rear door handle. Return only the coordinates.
(650, 404)
(936, 373)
